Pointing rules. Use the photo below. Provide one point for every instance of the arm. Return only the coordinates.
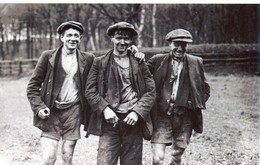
(145, 103)
(151, 64)
(96, 101)
(35, 84)
(206, 85)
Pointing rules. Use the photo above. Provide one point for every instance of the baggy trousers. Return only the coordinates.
(122, 141)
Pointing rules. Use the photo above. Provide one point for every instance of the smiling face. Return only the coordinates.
(178, 48)
(121, 40)
(71, 38)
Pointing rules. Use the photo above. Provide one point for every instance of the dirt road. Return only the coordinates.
(231, 126)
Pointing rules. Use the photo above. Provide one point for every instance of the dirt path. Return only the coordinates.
(231, 127)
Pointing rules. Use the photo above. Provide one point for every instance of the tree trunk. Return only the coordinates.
(14, 46)
(50, 32)
(32, 41)
(28, 42)
(140, 28)
(97, 37)
(91, 39)
(2, 52)
(154, 25)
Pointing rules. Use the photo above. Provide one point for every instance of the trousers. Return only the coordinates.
(122, 141)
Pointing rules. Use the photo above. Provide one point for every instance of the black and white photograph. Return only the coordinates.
(135, 83)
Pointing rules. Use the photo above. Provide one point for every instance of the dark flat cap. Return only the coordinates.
(121, 25)
(179, 35)
(70, 24)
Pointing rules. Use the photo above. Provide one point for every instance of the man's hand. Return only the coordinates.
(131, 118)
(44, 113)
(139, 55)
(110, 116)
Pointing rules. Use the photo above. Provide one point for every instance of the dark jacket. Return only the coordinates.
(40, 90)
(99, 95)
(193, 86)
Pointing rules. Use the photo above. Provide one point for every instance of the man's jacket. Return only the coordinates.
(192, 86)
(101, 94)
(41, 92)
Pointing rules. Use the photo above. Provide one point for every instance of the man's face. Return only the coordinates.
(71, 38)
(121, 42)
(178, 48)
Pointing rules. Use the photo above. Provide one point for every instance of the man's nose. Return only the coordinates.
(122, 41)
(73, 38)
(179, 47)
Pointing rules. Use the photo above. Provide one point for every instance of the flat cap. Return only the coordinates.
(179, 35)
(121, 25)
(70, 24)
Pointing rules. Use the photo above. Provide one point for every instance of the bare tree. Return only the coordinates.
(140, 27)
(2, 52)
(154, 25)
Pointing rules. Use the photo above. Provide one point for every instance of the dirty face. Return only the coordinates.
(71, 38)
(178, 48)
(121, 40)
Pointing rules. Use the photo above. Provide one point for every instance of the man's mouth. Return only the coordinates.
(122, 46)
(179, 53)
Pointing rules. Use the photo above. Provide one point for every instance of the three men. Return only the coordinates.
(56, 93)
(121, 92)
(182, 92)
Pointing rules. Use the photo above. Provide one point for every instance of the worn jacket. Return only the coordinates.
(195, 81)
(40, 90)
(99, 97)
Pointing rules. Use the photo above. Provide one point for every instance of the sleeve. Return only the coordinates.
(145, 103)
(151, 64)
(96, 101)
(206, 85)
(35, 84)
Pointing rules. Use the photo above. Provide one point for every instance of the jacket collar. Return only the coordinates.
(106, 58)
(53, 56)
(81, 61)
(134, 64)
(162, 69)
(81, 58)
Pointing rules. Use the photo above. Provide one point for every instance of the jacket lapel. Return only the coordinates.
(105, 60)
(81, 62)
(162, 70)
(134, 67)
(53, 56)
(81, 66)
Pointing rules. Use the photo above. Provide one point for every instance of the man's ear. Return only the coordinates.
(112, 39)
(61, 37)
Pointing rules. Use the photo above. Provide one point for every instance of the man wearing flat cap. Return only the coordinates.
(182, 92)
(56, 93)
(121, 92)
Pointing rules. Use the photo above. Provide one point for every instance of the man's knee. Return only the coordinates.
(158, 153)
(68, 150)
(176, 155)
(50, 160)
(158, 157)
(49, 150)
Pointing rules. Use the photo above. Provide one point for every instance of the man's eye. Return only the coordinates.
(176, 44)
(76, 36)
